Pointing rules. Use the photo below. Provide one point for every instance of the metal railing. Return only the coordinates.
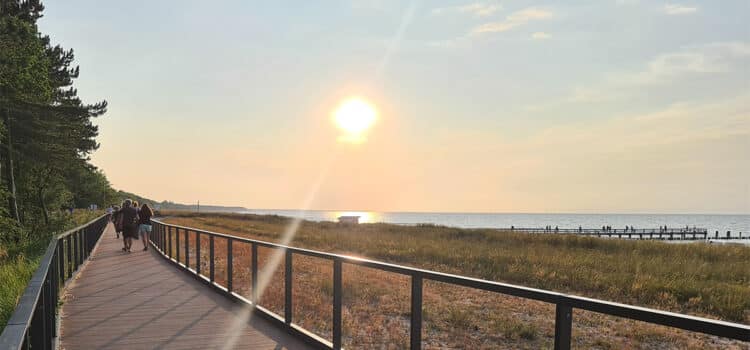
(33, 323)
(165, 234)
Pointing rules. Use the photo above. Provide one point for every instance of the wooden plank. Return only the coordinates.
(139, 301)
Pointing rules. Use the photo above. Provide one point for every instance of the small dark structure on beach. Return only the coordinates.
(349, 220)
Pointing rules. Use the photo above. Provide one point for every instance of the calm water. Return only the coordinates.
(721, 223)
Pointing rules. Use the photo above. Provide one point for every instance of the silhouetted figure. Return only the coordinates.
(129, 222)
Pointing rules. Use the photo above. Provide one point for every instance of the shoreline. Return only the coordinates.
(712, 223)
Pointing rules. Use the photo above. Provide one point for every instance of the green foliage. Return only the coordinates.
(19, 260)
(15, 274)
(89, 185)
(46, 136)
(24, 66)
(47, 131)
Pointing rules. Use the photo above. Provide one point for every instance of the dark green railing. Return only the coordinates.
(166, 238)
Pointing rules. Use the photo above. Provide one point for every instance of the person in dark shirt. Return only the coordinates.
(129, 217)
(144, 224)
(117, 220)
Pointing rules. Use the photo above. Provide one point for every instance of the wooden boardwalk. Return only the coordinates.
(140, 301)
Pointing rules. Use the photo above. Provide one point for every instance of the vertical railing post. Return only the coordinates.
(69, 257)
(154, 236)
(49, 308)
(288, 287)
(55, 283)
(416, 312)
(85, 244)
(80, 248)
(254, 272)
(90, 239)
(60, 262)
(187, 248)
(75, 250)
(74, 246)
(211, 257)
(177, 242)
(169, 241)
(163, 238)
(563, 325)
(337, 304)
(197, 253)
(36, 329)
(229, 264)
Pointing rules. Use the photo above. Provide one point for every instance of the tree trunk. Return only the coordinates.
(10, 178)
(43, 205)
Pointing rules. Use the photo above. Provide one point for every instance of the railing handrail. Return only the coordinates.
(81, 227)
(686, 322)
(20, 320)
(15, 334)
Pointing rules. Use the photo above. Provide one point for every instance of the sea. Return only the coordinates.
(711, 222)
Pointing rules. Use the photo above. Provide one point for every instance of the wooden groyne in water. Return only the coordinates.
(667, 234)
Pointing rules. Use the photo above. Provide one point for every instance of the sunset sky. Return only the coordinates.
(514, 106)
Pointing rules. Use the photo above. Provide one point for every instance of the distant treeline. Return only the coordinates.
(169, 205)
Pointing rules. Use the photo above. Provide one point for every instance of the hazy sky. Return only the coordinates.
(509, 106)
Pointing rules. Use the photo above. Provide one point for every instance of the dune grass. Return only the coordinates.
(19, 260)
(15, 275)
(701, 279)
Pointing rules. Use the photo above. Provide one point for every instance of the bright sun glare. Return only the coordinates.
(354, 116)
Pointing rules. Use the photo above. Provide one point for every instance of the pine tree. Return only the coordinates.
(46, 130)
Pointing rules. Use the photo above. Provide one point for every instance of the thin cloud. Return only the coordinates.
(677, 9)
(716, 57)
(661, 70)
(514, 20)
(478, 9)
(540, 36)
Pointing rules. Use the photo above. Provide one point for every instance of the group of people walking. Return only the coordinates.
(132, 221)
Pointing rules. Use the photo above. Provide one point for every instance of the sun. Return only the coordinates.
(354, 116)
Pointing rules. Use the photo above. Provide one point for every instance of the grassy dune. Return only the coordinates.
(700, 279)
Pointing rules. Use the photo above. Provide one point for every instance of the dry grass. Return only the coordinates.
(706, 280)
